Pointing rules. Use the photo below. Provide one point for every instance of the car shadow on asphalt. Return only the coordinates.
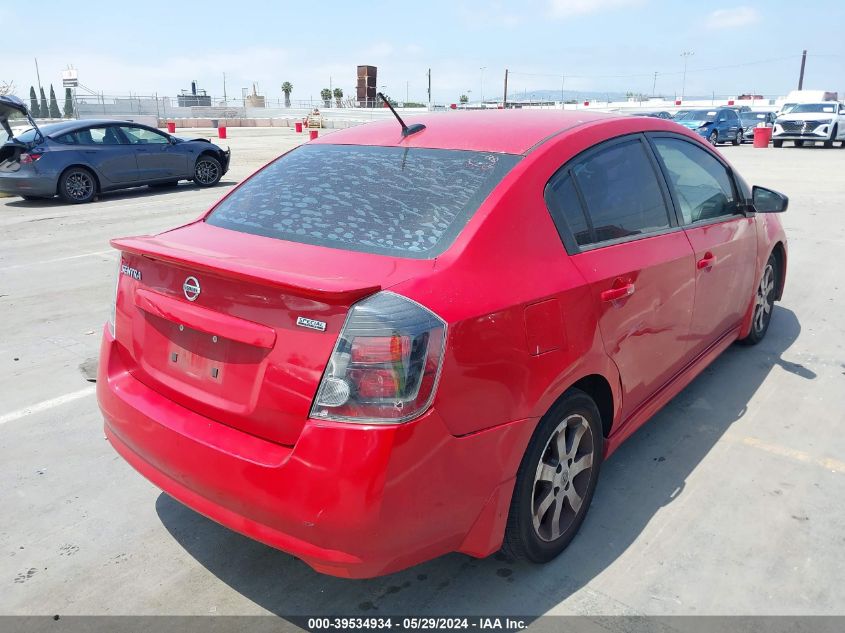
(647, 473)
(143, 191)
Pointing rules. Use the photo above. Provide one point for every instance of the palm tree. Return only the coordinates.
(464, 99)
(338, 95)
(326, 96)
(287, 88)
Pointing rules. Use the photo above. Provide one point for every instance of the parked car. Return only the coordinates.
(662, 114)
(823, 121)
(79, 159)
(751, 120)
(386, 346)
(717, 125)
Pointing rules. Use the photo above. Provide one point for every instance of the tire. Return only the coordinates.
(828, 144)
(799, 143)
(545, 478)
(77, 185)
(764, 301)
(777, 143)
(713, 138)
(738, 138)
(208, 171)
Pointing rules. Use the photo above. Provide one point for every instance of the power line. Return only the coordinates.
(663, 73)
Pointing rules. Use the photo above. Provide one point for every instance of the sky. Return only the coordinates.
(158, 47)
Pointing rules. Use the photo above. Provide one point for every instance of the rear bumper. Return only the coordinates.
(350, 500)
(19, 184)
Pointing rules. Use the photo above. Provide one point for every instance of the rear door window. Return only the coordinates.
(621, 192)
(105, 135)
(407, 202)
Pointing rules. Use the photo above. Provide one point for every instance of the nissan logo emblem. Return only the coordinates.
(191, 288)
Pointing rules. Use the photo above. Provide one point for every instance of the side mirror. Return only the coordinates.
(768, 201)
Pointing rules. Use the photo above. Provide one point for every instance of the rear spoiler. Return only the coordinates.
(321, 288)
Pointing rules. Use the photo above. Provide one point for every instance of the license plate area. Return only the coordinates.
(203, 367)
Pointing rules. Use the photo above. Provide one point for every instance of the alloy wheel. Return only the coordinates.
(765, 299)
(206, 172)
(562, 477)
(79, 186)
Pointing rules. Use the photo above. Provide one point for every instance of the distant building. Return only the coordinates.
(195, 97)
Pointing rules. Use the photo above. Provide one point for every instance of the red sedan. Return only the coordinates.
(392, 343)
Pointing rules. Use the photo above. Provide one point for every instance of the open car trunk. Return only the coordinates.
(10, 107)
(239, 327)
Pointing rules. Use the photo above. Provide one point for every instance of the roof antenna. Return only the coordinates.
(407, 130)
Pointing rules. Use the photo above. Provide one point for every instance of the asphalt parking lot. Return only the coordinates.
(730, 501)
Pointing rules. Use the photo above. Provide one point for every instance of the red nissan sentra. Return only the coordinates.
(396, 342)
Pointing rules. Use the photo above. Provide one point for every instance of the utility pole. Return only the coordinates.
(505, 96)
(38, 74)
(654, 85)
(686, 55)
(406, 92)
(224, 90)
(562, 84)
(803, 64)
(482, 83)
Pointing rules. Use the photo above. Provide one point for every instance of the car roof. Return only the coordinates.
(513, 131)
(69, 126)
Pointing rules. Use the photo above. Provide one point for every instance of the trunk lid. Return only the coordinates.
(239, 327)
(11, 105)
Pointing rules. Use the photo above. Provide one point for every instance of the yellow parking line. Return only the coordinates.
(833, 465)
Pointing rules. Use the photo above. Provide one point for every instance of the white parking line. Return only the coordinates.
(46, 404)
(59, 259)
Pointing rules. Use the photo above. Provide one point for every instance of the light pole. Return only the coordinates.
(482, 83)
(686, 55)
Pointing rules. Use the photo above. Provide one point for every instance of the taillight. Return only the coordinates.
(385, 364)
(26, 159)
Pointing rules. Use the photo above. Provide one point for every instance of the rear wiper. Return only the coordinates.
(407, 130)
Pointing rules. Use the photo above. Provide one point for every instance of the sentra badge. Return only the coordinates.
(132, 272)
(311, 323)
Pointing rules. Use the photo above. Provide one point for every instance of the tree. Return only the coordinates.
(326, 96)
(464, 99)
(34, 110)
(7, 88)
(338, 96)
(43, 107)
(68, 104)
(287, 88)
(55, 113)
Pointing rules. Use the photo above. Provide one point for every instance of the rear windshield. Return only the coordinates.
(406, 202)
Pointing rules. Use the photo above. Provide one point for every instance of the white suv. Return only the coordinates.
(823, 121)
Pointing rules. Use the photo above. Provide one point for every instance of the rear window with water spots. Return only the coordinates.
(406, 202)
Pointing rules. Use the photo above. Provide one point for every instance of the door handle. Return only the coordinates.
(618, 291)
(707, 261)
